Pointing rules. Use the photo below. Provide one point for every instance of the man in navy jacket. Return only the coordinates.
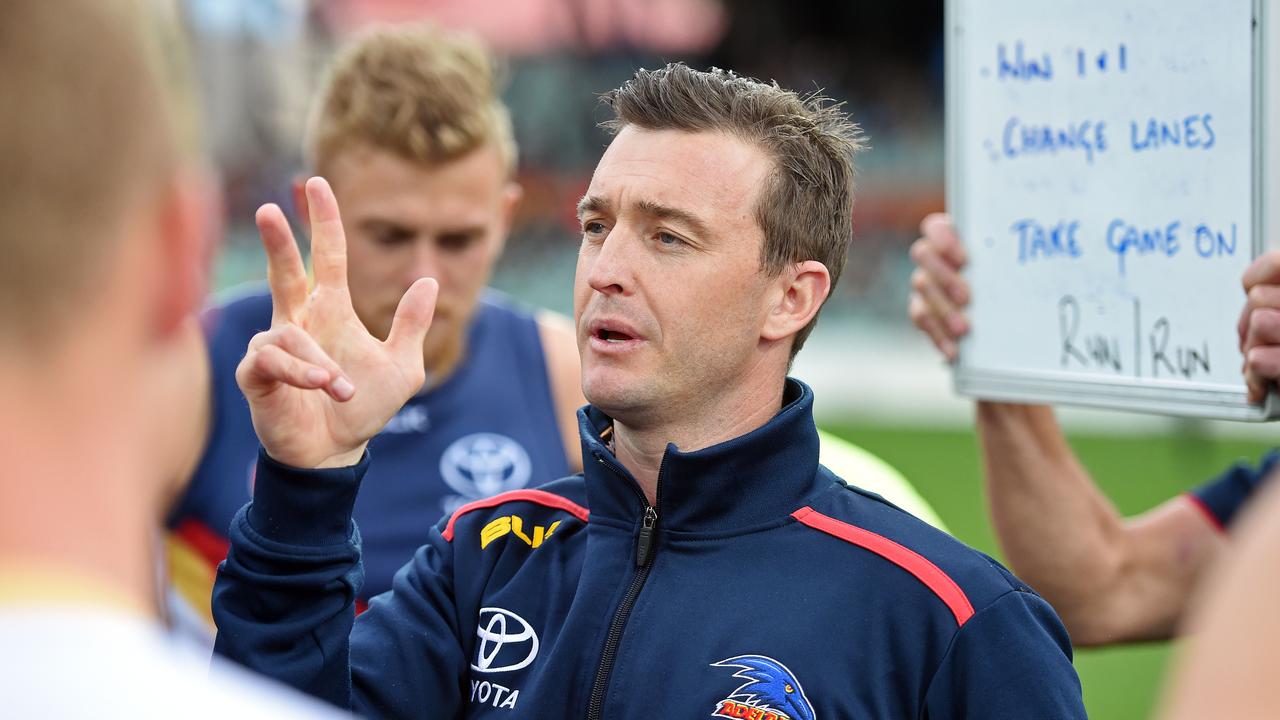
(704, 564)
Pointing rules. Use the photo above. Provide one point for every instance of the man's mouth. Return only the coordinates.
(612, 336)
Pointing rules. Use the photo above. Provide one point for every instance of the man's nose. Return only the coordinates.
(612, 263)
(424, 261)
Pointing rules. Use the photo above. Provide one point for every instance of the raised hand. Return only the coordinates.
(938, 292)
(1259, 325)
(318, 384)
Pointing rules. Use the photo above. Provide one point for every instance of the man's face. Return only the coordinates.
(404, 220)
(669, 297)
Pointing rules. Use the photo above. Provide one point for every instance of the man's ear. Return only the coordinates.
(299, 190)
(799, 292)
(190, 228)
(512, 194)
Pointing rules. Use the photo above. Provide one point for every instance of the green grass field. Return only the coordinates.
(1136, 472)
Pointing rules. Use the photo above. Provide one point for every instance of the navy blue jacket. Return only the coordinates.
(761, 586)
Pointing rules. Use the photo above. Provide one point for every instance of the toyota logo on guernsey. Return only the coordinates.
(484, 464)
(507, 642)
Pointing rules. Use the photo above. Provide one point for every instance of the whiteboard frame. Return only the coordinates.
(1209, 401)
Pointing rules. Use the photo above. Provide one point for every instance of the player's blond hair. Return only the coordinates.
(89, 124)
(423, 93)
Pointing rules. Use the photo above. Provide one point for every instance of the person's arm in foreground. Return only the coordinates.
(1110, 579)
(1227, 667)
(319, 386)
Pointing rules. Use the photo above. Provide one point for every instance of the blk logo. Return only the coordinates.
(507, 642)
(514, 525)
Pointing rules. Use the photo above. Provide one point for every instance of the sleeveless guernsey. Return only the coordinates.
(489, 428)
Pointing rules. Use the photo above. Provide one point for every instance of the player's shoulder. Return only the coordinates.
(547, 506)
(965, 578)
(513, 319)
(503, 322)
(241, 299)
(495, 303)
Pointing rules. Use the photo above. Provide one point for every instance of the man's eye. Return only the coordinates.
(592, 227)
(457, 242)
(393, 238)
(668, 239)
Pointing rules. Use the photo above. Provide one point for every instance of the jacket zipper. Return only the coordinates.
(644, 561)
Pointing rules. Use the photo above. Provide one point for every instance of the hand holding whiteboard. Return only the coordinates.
(1110, 169)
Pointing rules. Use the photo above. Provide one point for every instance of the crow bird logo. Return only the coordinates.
(769, 684)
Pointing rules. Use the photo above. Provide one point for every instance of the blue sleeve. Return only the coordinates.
(1226, 494)
(284, 601)
(1012, 659)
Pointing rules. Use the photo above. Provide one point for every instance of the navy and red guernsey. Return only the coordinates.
(1222, 497)
(760, 586)
(490, 427)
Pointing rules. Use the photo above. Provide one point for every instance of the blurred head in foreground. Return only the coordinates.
(410, 132)
(104, 224)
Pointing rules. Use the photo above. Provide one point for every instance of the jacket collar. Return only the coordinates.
(753, 478)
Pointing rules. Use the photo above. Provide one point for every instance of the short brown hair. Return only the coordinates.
(806, 208)
(90, 126)
(423, 93)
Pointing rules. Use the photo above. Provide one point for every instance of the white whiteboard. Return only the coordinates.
(1109, 170)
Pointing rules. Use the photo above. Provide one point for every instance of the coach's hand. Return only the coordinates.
(318, 384)
(1259, 325)
(938, 292)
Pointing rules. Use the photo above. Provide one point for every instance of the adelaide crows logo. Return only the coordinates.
(770, 692)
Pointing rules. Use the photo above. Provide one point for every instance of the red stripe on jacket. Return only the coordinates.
(538, 497)
(926, 572)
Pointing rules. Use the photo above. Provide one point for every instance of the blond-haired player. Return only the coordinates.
(410, 131)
